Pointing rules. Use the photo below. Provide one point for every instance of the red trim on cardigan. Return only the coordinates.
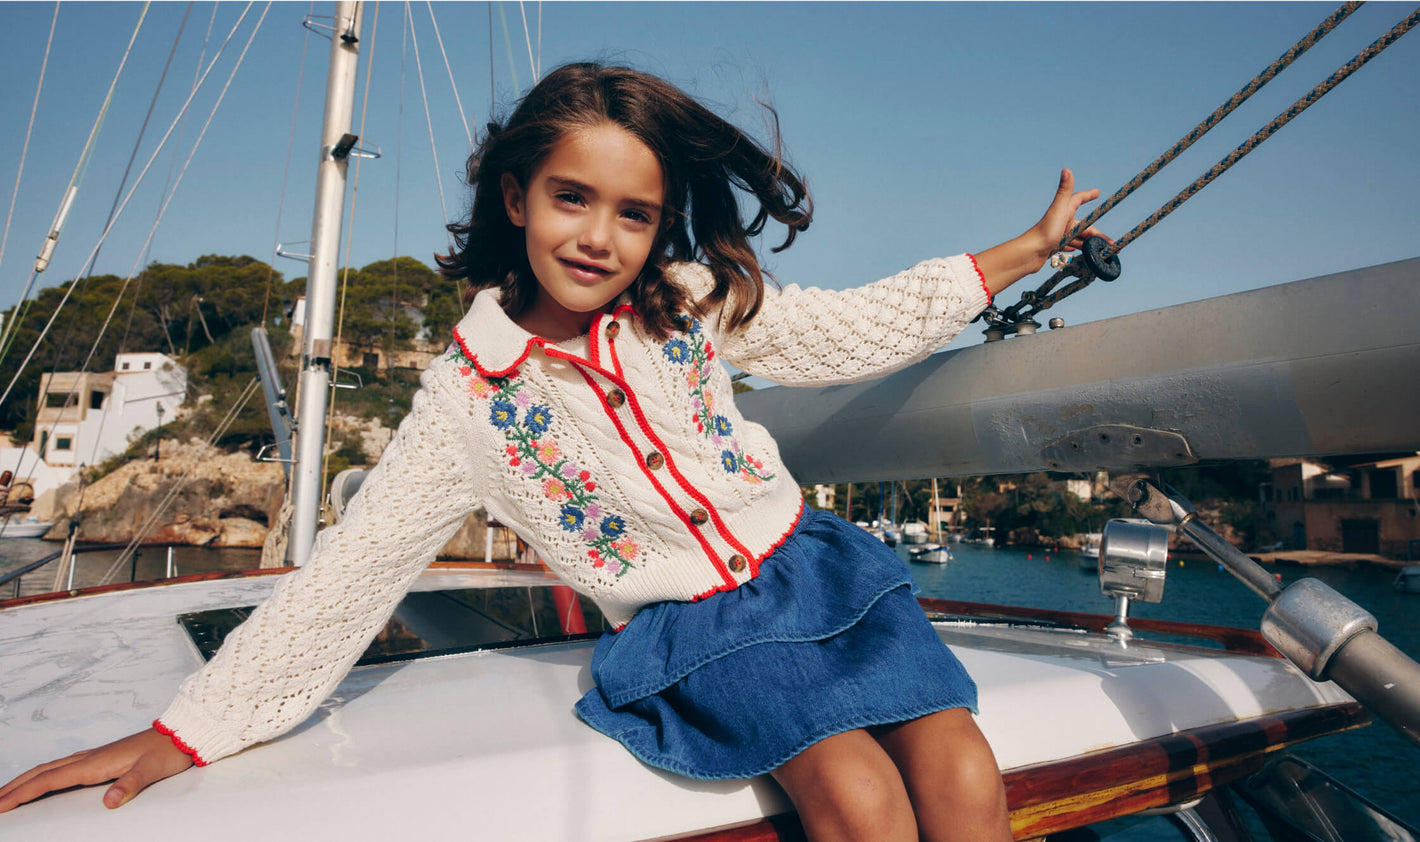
(544, 345)
(982, 277)
(754, 566)
(641, 462)
(755, 562)
(177, 741)
(685, 485)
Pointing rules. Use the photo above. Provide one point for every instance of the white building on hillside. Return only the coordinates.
(86, 417)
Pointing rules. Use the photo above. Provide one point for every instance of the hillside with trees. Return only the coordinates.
(202, 314)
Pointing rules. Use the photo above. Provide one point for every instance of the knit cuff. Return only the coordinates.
(178, 742)
(980, 277)
(192, 731)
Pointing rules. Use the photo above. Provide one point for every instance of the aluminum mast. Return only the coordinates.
(314, 387)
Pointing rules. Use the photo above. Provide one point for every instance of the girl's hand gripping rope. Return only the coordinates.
(132, 763)
(1014, 259)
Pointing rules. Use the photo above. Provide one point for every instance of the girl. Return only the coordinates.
(582, 404)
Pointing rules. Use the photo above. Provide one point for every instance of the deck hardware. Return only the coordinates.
(1133, 561)
(1116, 447)
(1322, 632)
(1056, 323)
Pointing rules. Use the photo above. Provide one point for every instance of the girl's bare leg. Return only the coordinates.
(951, 777)
(846, 787)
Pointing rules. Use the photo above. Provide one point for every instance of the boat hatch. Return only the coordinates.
(444, 622)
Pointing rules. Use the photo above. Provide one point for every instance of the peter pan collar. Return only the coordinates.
(496, 345)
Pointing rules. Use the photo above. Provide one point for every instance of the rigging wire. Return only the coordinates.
(428, 119)
(1252, 87)
(527, 36)
(74, 180)
(182, 121)
(103, 329)
(508, 49)
(1034, 301)
(463, 117)
(122, 205)
(133, 305)
(1271, 128)
(152, 231)
(24, 151)
(286, 168)
(143, 129)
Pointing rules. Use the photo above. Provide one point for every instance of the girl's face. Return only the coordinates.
(591, 212)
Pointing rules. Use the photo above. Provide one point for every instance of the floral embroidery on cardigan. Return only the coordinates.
(696, 353)
(539, 457)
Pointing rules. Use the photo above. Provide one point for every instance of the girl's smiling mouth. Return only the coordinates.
(584, 271)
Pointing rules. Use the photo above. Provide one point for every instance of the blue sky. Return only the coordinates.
(924, 129)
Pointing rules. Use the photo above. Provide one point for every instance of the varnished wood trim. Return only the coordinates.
(151, 583)
(1056, 796)
(1247, 641)
(1051, 797)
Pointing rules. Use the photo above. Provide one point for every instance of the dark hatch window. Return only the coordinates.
(440, 623)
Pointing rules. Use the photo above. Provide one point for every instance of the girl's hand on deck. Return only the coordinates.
(132, 763)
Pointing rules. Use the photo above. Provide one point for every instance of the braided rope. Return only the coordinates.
(1035, 301)
(1216, 117)
(1271, 128)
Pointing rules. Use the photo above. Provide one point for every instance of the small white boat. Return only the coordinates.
(27, 528)
(914, 532)
(1090, 552)
(1408, 579)
(931, 554)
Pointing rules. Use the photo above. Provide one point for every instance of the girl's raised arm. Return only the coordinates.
(810, 336)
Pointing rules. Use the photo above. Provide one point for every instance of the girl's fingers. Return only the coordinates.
(33, 784)
(21, 780)
(149, 769)
(135, 761)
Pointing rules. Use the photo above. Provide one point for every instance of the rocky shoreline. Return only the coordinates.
(195, 495)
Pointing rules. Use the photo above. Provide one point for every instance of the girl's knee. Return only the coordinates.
(848, 790)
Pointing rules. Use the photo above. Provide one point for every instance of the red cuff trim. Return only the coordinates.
(177, 741)
(980, 277)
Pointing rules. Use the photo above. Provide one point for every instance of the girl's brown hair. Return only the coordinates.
(703, 158)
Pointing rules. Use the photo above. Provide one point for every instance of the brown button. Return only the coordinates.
(654, 460)
(699, 516)
(615, 398)
(737, 563)
(613, 329)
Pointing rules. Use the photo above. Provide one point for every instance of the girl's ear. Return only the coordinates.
(513, 199)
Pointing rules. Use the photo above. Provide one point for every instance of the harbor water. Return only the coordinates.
(1375, 761)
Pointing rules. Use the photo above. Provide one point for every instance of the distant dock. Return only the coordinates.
(1314, 558)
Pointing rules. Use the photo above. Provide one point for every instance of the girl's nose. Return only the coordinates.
(596, 233)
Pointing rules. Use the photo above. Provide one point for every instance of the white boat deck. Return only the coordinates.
(487, 742)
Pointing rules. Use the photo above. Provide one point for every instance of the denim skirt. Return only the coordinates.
(828, 638)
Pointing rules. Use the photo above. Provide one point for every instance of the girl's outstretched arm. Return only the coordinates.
(1014, 259)
(132, 763)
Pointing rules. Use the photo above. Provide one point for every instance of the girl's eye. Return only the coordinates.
(568, 196)
(638, 216)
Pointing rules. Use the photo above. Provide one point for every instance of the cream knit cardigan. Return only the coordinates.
(626, 467)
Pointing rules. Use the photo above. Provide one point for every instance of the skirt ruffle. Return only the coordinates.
(826, 639)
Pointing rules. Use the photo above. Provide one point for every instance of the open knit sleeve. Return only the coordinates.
(814, 336)
(278, 666)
